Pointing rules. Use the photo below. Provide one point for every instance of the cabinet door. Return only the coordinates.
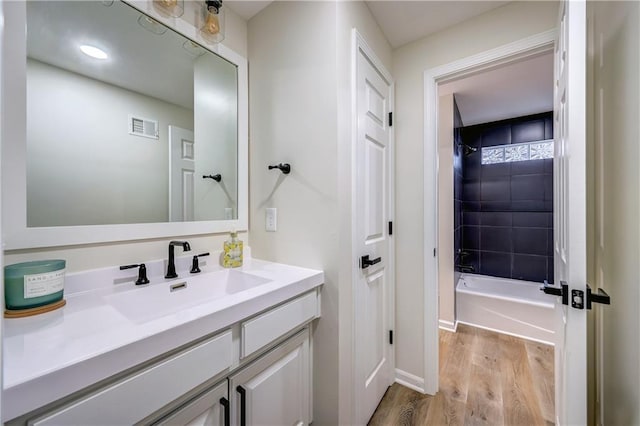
(275, 389)
(210, 408)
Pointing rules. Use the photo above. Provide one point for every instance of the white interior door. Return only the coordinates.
(570, 212)
(182, 171)
(373, 351)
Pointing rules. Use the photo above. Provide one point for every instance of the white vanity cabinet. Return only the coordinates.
(129, 400)
(256, 371)
(276, 388)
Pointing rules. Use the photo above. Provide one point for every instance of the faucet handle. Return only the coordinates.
(195, 267)
(142, 272)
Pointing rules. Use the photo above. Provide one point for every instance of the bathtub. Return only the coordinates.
(508, 306)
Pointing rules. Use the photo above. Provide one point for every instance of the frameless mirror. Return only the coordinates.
(128, 121)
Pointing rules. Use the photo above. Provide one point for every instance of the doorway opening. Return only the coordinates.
(495, 225)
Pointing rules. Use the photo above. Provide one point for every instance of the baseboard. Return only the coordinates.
(409, 380)
(448, 325)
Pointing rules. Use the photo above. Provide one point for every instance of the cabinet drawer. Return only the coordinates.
(267, 327)
(137, 396)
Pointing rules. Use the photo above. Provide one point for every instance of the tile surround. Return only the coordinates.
(506, 221)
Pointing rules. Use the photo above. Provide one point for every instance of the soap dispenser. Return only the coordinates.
(232, 257)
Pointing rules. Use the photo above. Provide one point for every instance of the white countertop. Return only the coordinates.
(49, 356)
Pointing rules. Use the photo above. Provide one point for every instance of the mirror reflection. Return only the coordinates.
(127, 120)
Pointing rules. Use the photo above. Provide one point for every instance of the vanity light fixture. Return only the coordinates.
(213, 28)
(174, 8)
(151, 25)
(93, 51)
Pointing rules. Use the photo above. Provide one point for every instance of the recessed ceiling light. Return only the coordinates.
(93, 51)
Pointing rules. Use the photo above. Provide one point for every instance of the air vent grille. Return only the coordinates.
(143, 127)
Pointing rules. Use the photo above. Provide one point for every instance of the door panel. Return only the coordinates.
(375, 324)
(570, 211)
(373, 357)
(182, 166)
(374, 191)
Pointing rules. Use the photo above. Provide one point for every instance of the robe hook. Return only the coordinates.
(284, 168)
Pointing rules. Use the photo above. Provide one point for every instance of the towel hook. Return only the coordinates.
(284, 168)
(217, 177)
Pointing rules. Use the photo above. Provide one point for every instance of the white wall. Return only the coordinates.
(446, 286)
(68, 180)
(505, 24)
(300, 91)
(614, 100)
(292, 101)
(84, 257)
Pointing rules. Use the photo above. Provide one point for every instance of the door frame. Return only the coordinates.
(358, 43)
(484, 61)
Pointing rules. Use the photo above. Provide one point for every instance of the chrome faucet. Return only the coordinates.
(171, 267)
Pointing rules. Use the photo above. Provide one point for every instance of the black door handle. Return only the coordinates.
(225, 405)
(365, 262)
(563, 291)
(243, 405)
(600, 297)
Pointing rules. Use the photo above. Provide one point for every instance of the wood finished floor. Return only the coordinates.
(486, 378)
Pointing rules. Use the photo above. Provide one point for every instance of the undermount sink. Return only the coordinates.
(158, 300)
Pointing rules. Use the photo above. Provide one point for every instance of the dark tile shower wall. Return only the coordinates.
(457, 181)
(507, 208)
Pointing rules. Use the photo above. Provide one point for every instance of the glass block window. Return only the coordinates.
(537, 150)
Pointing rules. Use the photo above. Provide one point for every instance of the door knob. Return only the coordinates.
(365, 262)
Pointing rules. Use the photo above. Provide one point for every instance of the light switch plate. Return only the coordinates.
(271, 219)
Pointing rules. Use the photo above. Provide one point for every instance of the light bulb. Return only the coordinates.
(93, 51)
(173, 8)
(212, 24)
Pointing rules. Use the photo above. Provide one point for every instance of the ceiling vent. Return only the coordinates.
(143, 127)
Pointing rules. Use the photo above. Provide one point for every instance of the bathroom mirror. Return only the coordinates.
(134, 128)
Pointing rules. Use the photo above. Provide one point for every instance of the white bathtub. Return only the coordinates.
(513, 307)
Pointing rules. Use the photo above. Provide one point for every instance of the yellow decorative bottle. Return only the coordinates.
(232, 257)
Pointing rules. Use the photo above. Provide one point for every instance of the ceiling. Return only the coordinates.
(405, 21)
(514, 90)
(246, 9)
(139, 60)
(400, 21)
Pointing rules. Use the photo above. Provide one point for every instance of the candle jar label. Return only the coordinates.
(37, 285)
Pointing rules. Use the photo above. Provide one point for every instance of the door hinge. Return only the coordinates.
(390, 228)
(434, 252)
(391, 337)
(390, 119)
